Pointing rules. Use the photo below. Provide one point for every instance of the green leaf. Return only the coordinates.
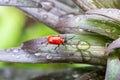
(106, 3)
(113, 66)
(93, 23)
(95, 4)
(11, 25)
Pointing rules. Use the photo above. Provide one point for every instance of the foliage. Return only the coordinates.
(87, 34)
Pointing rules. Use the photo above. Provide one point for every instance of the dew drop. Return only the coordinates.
(90, 1)
(108, 30)
(17, 56)
(45, 16)
(12, 50)
(13, 55)
(49, 56)
(109, 11)
(102, 8)
(75, 75)
(82, 45)
(118, 11)
(70, 15)
(15, 50)
(80, 30)
(8, 50)
(51, 4)
(77, 20)
(28, 56)
(37, 54)
(47, 5)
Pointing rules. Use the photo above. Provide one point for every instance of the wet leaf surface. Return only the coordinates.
(20, 3)
(107, 12)
(78, 49)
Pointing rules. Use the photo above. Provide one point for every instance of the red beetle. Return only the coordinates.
(56, 40)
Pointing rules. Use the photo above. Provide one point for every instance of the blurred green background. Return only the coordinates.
(16, 28)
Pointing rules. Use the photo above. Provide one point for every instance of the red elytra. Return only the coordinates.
(56, 40)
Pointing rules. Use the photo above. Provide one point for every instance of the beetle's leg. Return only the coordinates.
(64, 44)
(57, 46)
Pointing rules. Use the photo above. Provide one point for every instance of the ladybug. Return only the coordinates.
(56, 40)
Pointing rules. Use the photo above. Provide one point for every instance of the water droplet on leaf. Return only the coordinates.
(108, 30)
(109, 11)
(82, 45)
(15, 50)
(8, 50)
(77, 20)
(90, 1)
(49, 56)
(45, 16)
(18, 56)
(75, 75)
(37, 54)
(27, 55)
